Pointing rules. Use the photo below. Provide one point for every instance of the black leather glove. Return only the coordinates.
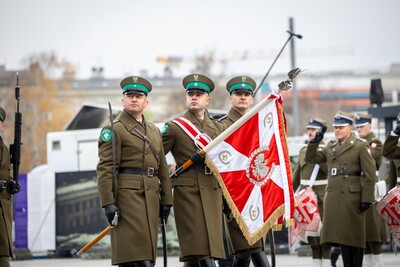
(363, 207)
(396, 130)
(13, 187)
(227, 210)
(164, 212)
(111, 210)
(319, 135)
(197, 157)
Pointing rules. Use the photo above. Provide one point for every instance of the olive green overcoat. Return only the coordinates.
(197, 196)
(342, 224)
(375, 224)
(137, 196)
(5, 204)
(302, 172)
(391, 150)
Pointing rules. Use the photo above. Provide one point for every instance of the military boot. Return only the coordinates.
(259, 259)
(209, 262)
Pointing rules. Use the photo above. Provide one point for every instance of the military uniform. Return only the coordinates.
(375, 224)
(142, 180)
(391, 150)
(302, 175)
(5, 202)
(197, 195)
(351, 181)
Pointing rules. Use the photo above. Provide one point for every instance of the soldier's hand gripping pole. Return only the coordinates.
(15, 148)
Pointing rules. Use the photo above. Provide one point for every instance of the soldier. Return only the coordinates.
(391, 150)
(375, 225)
(5, 200)
(241, 98)
(142, 191)
(315, 175)
(197, 195)
(350, 189)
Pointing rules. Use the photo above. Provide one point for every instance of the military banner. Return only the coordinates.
(307, 220)
(389, 208)
(251, 162)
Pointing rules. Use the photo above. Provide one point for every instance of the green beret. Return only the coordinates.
(241, 84)
(2, 114)
(198, 83)
(135, 85)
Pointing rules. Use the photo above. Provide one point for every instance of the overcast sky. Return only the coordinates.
(126, 36)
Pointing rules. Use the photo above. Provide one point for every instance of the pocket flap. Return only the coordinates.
(131, 184)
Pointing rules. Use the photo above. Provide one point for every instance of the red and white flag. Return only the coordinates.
(307, 220)
(389, 208)
(251, 162)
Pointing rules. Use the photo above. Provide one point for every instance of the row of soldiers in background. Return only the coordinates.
(136, 149)
(344, 184)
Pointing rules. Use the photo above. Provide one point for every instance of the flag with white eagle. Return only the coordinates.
(251, 162)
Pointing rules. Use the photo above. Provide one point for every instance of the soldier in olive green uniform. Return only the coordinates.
(350, 189)
(241, 98)
(142, 191)
(197, 195)
(375, 224)
(5, 201)
(302, 176)
(391, 150)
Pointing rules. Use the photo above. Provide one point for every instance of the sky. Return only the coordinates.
(125, 37)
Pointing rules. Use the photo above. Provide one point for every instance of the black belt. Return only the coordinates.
(150, 171)
(3, 185)
(200, 168)
(335, 172)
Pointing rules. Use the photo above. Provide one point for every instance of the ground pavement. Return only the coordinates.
(282, 260)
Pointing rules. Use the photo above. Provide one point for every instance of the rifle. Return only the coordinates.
(15, 148)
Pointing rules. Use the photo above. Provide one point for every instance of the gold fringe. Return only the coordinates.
(271, 221)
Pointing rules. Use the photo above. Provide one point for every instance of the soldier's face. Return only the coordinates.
(134, 104)
(364, 130)
(241, 101)
(196, 101)
(342, 132)
(311, 133)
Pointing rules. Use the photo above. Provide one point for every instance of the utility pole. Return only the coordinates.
(295, 104)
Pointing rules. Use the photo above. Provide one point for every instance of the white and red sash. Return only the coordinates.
(199, 138)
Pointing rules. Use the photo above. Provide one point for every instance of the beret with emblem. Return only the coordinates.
(343, 119)
(2, 114)
(362, 119)
(135, 85)
(241, 84)
(198, 83)
(315, 123)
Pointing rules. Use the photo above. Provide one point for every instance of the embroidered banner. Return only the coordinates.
(389, 208)
(252, 165)
(307, 220)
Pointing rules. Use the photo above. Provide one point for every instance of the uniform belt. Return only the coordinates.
(149, 171)
(335, 172)
(317, 182)
(200, 168)
(3, 185)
